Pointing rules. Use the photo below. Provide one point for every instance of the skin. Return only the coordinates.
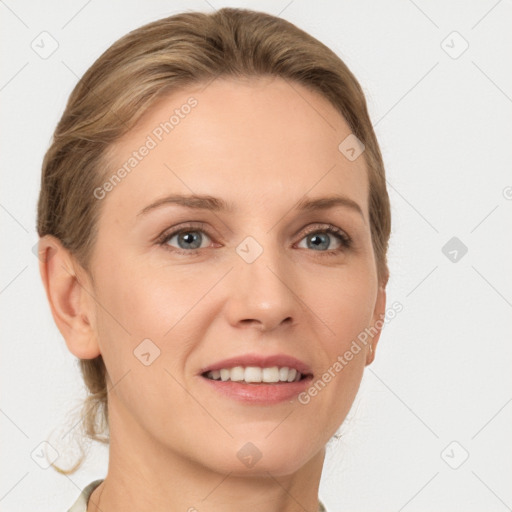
(263, 146)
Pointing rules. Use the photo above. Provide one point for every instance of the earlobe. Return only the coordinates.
(65, 283)
(377, 323)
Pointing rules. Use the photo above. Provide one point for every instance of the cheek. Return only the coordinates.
(139, 320)
(345, 304)
(146, 303)
(349, 316)
(346, 307)
(347, 313)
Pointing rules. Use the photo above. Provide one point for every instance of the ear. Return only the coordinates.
(377, 322)
(69, 292)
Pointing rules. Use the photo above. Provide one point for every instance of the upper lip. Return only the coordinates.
(268, 361)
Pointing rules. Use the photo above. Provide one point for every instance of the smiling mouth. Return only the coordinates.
(256, 375)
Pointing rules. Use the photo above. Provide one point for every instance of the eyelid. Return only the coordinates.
(176, 230)
(192, 225)
(343, 237)
(325, 226)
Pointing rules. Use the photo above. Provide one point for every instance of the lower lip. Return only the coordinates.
(261, 394)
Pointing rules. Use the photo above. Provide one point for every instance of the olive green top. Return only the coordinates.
(80, 504)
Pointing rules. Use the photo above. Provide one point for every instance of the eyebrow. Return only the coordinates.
(215, 204)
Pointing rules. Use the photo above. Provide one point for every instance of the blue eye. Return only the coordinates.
(320, 238)
(189, 240)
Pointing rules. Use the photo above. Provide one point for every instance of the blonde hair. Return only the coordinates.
(159, 58)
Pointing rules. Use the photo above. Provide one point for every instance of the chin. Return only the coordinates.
(257, 456)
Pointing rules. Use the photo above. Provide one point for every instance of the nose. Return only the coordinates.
(262, 294)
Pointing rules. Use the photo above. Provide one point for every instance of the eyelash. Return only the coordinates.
(344, 239)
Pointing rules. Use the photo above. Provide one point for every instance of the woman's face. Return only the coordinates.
(259, 278)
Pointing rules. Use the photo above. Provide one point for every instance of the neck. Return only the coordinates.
(145, 476)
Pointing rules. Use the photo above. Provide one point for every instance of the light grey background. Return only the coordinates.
(440, 387)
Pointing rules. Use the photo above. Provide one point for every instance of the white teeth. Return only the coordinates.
(291, 374)
(252, 374)
(237, 373)
(256, 374)
(270, 374)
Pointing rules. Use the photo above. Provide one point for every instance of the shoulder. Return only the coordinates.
(80, 505)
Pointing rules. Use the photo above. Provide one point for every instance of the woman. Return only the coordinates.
(214, 224)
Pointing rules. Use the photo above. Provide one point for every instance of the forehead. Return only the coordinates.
(263, 140)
